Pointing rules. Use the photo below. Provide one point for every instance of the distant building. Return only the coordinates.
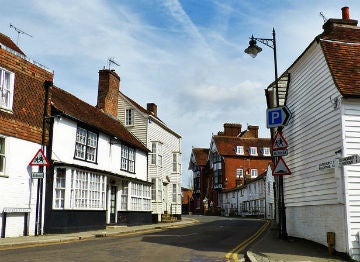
(253, 199)
(187, 201)
(234, 157)
(202, 179)
(22, 98)
(164, 161)
(322, 89)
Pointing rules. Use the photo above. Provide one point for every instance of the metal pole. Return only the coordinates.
(39, 202)
(282, 213)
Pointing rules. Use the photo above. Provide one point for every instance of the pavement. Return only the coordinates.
(268, 247)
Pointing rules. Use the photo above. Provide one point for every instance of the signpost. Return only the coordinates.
(278, 116)
(340, 162)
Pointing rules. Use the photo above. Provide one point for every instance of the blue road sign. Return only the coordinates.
(278, 116)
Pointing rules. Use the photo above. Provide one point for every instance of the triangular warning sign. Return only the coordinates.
(279, 142)
(281, 169)
(39, 159)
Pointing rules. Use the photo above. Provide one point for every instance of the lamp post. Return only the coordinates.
(253, 50)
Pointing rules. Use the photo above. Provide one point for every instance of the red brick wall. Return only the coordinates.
(231, 164)
(25, 120)
(108, 91)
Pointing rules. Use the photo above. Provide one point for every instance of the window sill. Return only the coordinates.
(6, 110)
(4, 176)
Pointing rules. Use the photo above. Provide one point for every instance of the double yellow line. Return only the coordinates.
(234, 252)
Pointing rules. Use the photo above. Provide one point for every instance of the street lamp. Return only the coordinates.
(253, 50)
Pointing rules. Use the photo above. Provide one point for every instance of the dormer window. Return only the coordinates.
(253, 151)
(239, 150)
(266, 151)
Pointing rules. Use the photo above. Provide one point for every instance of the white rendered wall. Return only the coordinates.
(21, 190)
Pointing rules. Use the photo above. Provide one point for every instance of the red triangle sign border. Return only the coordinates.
(39, 159)
(281, 172)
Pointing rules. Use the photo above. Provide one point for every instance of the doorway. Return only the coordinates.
(113, 191)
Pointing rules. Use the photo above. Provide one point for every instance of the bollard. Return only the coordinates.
(331, 242)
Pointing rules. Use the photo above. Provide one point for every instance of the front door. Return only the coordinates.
(113, 204)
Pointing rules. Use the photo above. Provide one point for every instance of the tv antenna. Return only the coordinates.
(19, 31)
(112, 61)
(323, 17)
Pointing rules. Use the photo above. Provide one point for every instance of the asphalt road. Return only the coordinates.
(209, 240)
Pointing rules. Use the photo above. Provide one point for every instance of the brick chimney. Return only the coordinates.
(152, 108)
(344, 21)
(232, 129)
(254, 130)
(108, 91)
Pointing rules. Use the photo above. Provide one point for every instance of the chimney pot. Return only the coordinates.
(345, 13)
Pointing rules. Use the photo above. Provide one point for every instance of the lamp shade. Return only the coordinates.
(253, 49)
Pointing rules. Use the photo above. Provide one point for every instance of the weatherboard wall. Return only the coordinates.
(351, 173)
(170, 144)
(313, 196)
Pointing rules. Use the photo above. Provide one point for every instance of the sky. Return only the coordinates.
(186, 56)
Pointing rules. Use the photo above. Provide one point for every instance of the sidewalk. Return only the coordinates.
(270, 248)
(26, 241)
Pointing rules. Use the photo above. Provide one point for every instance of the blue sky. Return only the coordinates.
(187, 56)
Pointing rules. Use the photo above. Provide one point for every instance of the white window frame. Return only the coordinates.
(153, 189)
(156, 153)
(174, 193)
(127, 158)
(59, 188)
(253, 151)
(2, 155)
(7, 80)
(129, 117)
(239, 172)
(88, 190)
(266, 151)
(239, 150)
(254, 173)
(176, 166)
(86, 145)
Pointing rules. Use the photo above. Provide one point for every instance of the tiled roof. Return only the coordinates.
(6, 41)
(201, 155)
(79, 110)
(341, 47)
(226, 144)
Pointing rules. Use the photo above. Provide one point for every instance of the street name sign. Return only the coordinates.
(326, 165)
(349, 160)
(278, 116)
(340, 162)
(281, 169)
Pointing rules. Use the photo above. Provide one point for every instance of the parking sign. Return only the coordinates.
(278, 116)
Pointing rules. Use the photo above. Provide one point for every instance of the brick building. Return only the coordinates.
(234, 157)
(22, 98)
